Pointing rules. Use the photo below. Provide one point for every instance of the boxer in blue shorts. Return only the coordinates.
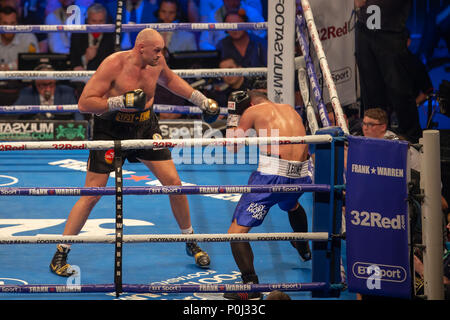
(253, 207)
(280, 164)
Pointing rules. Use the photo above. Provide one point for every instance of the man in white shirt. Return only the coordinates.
(375, 125)
(11, 44)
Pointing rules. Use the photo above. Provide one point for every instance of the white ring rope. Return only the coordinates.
(183, 73)
(166, 143)
(213, 237)
(158, 108)
(85, 75)
(133, 27)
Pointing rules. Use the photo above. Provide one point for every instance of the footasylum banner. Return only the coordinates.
(43, 130)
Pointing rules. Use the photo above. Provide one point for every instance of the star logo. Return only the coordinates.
(372, 170)
(137, 178)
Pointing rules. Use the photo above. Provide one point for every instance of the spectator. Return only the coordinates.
(375, 124)
(169, 11)
(47, 92)
(189, 10)
(52, 5)
(34, 13)
(208, 6)
(59, 42)
(382, 57)
(11, 44)
(87, 50)
(221, 92)
(245, 48)
(134, 11)
(209, 40)
(14, 4)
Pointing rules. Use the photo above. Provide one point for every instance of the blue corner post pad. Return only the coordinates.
(326, 257)
(332, 131)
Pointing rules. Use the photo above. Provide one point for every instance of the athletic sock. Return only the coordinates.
(189, 230)
(65, 245)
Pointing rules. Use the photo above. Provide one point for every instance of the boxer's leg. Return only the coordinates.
(243, 256)
(167, 174)
(75, 222)
(299, 223)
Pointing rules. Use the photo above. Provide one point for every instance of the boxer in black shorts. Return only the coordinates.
(124, 126)
(121, 94)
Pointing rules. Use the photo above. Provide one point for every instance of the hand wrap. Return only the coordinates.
(210, 108)
(135, 99)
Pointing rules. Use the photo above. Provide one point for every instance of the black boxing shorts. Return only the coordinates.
(125, 126)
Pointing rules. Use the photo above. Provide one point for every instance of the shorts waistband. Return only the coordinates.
(285, 168)
(132, 117)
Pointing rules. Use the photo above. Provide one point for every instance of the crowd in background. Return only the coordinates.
(398, 87)
(85, 51)
(236, 49)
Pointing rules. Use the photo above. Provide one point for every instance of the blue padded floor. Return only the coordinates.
(143, 263)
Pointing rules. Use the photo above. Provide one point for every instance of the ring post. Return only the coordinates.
(327, 212)
(281, 51)
(432, 233)
(119, 218)
(118, 26)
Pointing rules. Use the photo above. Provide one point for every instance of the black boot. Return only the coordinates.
(59, 265)
(201, 257)
(246, 279)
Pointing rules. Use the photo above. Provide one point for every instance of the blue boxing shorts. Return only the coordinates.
(253, 207)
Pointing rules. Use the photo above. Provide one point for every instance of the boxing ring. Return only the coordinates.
(142, 225)
(157, 191)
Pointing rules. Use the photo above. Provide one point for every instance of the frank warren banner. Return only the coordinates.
(377, 217)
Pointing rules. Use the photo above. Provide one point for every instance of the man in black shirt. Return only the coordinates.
(382, 58)
(88, 50)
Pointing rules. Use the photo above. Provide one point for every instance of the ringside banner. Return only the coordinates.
(281, 41)
(334, 25)
(377, 217)
(43, 130)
